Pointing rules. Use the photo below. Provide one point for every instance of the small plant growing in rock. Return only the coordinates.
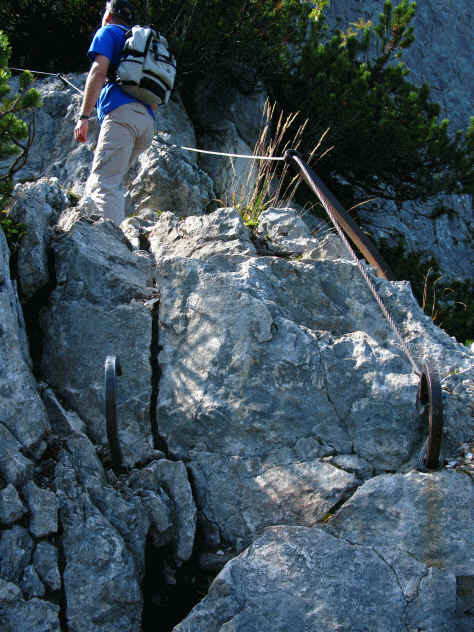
(13, 230)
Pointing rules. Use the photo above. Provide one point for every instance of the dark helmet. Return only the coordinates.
(123, 9)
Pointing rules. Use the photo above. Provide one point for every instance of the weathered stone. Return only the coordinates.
(34, 614)
(15, 468)
(11, 507)
(36, 205)
(167, 179)
(172, 477)
(428, 516)
(281, 373)
(230, 121)
(285, 232)
(23, 421)
(101, 586)
(43, 506)
(99, 308)
(31, 584)
(220, 232)
(45, 558)
(297, 578)
(16, 547)
(64, 422)
(242, 496)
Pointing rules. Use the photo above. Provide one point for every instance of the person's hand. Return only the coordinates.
(80, 131)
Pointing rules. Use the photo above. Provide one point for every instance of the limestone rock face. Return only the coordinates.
(392, 558)
(283, 370)
(230, 121)
(266, 412)
(23, 420)
(101, 298)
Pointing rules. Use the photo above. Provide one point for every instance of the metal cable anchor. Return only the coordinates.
(429, 402)
(112, 370)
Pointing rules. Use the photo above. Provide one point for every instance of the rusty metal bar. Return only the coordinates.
(363, 243)
(430, 398)
(112, 370)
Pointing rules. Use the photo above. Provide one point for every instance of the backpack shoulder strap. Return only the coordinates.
(112, 70)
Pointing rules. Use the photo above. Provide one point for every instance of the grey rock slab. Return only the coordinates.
(428, 516)
(17, 615)
(45, 559)
(220, 232)
(297, 578)
(22, 415)
(36, 205)
(230, 121)
(243, 496)
(43, 506)
(15, 468)
(286, 232)
(11, 506)
(31, 584)
(277, 362)
(165, 179)
(97, 309)
(16, 547)
(100, 578)
(172, 477)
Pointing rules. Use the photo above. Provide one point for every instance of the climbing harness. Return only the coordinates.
(112, 370)
(429, 399)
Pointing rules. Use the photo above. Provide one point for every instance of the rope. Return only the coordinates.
(221, 153)
(58, 75)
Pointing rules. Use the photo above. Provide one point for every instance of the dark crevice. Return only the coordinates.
(155, 349)
(31, 313)
(62, 602)
(170, 593)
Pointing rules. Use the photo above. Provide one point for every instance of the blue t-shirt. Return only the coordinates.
(108, 41)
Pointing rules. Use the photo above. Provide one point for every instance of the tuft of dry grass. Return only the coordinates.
(268, 184)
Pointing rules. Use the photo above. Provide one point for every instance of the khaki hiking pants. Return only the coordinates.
(125, 133)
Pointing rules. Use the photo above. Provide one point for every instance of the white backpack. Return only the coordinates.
(146, 70)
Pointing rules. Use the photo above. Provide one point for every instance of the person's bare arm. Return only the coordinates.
(95, 80)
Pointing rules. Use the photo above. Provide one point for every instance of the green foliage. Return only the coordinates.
(15, 133)
(386, 135)
(51, 35)
(13, 230)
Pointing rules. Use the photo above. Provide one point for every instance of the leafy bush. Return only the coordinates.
(386, 135)
(12, 229)
(51, 35)
(15, 133)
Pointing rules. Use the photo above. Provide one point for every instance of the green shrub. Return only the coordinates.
(15, 132)
(13, 230)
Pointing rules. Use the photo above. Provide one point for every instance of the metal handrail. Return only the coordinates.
(112, 370)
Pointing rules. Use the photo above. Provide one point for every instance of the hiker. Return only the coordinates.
(126, 124)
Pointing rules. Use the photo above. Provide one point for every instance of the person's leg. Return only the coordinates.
(125, 132)
(145, 128)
